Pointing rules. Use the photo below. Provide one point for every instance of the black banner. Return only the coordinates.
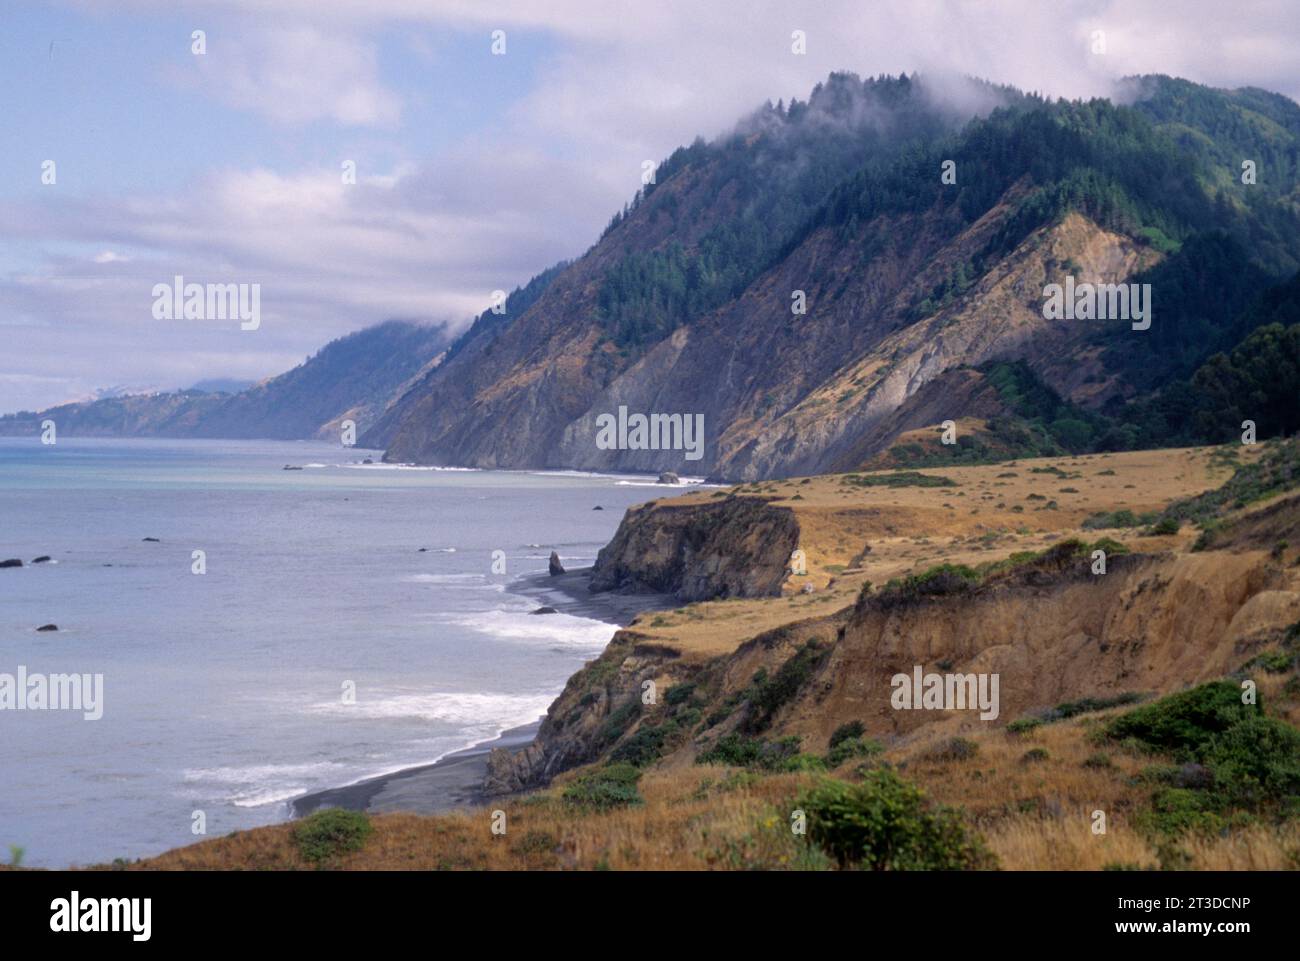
(336, 909)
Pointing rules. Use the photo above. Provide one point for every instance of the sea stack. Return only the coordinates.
(556, 567)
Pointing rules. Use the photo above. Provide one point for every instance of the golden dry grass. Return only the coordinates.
(1033, 815)
(915, 527)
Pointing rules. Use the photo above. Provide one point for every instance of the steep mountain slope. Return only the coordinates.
(716, 217)
(685, 304)
(354, 377)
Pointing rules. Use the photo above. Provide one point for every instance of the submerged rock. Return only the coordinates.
(48, 627)
(598, 508)
(12, 562)
(152, 540)
(668, 477)
(43, 559)
(544, 610)
(556, 567)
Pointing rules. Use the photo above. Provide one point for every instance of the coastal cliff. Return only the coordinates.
(738, 547)
(1158, 617)
(1053, 632)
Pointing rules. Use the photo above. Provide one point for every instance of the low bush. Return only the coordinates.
(887, 824)
(608, 787)
(1234, 762)
(852, 747)
(846, 731)
(329, 834)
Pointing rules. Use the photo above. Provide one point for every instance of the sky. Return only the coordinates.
(474, 169)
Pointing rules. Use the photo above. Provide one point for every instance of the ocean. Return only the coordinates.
(225, 693)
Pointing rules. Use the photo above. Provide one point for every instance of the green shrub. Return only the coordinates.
(800, 762)
(734, 749)
(1034, 755)
(938, 581)
(902, 478)
(1163, 527)
(330, 834)
(679, 694)
(752, 752)
(1119, 518)
(1176, 811)
(1256, 762)
(1236, 762)
(1183, 723)
(1271, 662)
(846, 731)
(1023, 725)
(767, 695)
(619, 720)
(1087, 705)
(644, 747)
(608, 787)
(852, 747)
(886, 824)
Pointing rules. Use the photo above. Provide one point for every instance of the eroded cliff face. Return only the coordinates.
(736, 547)
(1051, 629)
(1055, 632)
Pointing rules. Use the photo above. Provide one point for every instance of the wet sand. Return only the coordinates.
(456, 781)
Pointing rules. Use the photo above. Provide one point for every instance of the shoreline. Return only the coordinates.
(456, 780)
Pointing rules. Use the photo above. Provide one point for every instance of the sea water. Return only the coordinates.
(227, 692)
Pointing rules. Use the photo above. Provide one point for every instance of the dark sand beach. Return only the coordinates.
(456, 780)
(453, 782)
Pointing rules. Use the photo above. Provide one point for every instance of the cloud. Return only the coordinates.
(298, 74)
(609, 86)
(431, 244)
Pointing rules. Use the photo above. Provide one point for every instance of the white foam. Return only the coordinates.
(254, 785)
(480, 715)
(581, 633)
